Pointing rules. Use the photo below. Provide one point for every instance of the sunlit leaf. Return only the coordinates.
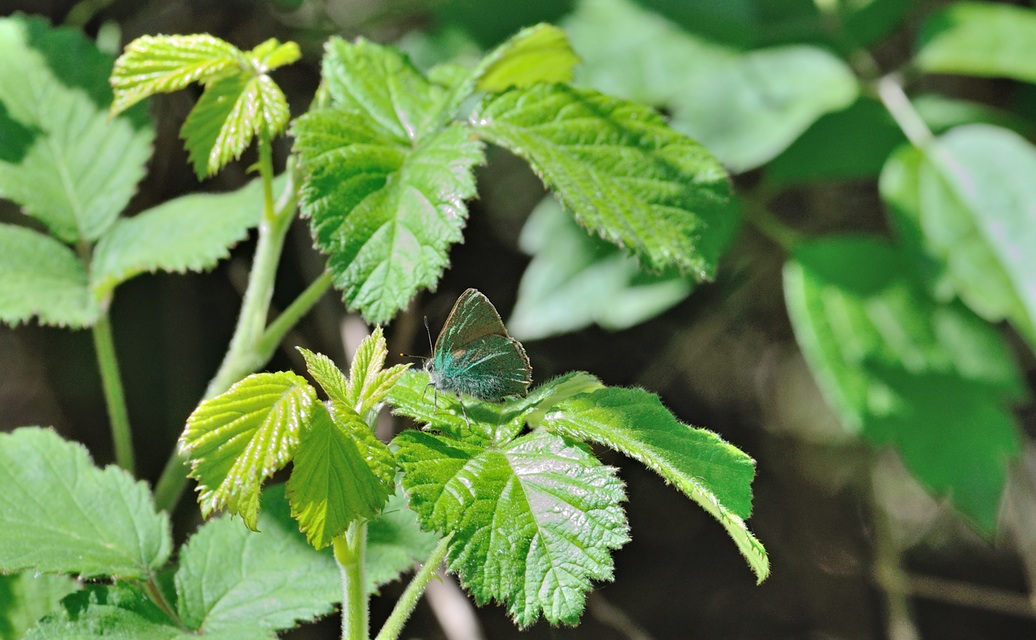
(980, 38)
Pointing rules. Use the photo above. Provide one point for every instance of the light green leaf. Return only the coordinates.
(231, 112)
(189, 233)
(342, 473)
(237, 439)
(59, 513)
(977, 198)
(327, 375)
(620, 170)
(576, 280)
(535, 519)
(982, 39)
(395, 542)
(231, 578)
(414, 397)
(713, 473)
(26, 597)
(63, 160)
(369, 381)
(42, 277)
(541, 53)
(163, 64)
(883, 352)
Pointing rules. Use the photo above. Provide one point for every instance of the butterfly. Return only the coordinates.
(473, 354)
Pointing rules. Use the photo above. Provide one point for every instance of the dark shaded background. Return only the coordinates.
(830, 511)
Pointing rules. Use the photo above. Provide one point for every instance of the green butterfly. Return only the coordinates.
(473, 354)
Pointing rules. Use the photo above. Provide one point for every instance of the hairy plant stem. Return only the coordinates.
(350, 549)
(393, 627)
(114, 397)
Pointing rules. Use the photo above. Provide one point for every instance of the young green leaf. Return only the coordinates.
(535, 519)
(395, 542)
(621, 171)
(883, 351)
(231, 578)
(369, 381)
(342, 473)
(189, 233)
(237, 439)
(327, 375)
(982, 39)
(541, 53)
(28, 596)
(63, 159)
(576, 280)
(42, 277)
(713, 473)
(163, 64)
(59, 513)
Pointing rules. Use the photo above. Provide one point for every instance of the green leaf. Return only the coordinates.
(534, 519)
(163, 64)
(411, 397)
(26, 597)
(576, 280)
(541, 53)
(385, 213)
(883, 352)
(189, 233)
(981, 39)
(327, 375)
(369, 381)
(395, 542)
(620, 170)
(713, 473)
(41, 277)
(61, 514)
(342, 473)
(108, 611)
(237, 439)
(977, 197)
(231, 112)
(64, 161)
(231, 578)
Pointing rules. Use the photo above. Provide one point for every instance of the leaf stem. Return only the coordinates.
(770, 225)
(393, 627)
(114, 396)
(890, 91)
(350, 551)
(290, 316)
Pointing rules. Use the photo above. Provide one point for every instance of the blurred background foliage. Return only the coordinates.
(859, 549)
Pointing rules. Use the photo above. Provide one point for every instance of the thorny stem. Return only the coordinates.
(393, 627)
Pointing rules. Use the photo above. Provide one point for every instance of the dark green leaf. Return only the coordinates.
(109, 611)
(28, 596)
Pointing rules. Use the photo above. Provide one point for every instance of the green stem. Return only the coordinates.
(114, 396)
(350, 551)
(770, 225)
(891, 93)
(290, 316)
(408, 601)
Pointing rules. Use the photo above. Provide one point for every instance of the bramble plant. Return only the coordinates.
(507, 493)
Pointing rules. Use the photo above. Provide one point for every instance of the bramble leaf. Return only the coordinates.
(535, 519)
(621, 171)
(982, 39)
(713, 473)
(369, 381)
(327, 375)
(231, 578)
(59, 513)
(42, 277)
(541, 53)
(341, 473)
(237, 439)
(63, 160)
(395, 542)
(28, 596)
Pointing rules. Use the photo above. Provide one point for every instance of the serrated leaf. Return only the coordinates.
(883, 351)
(42, 277)
(713, 473)
(28, 596)
(576, 280)
(341, 473)
(369, 381)
(621, 171)
(395, 542)
(162, 64)
(535, 520)
(983, 39)
(327, 375)
(189, 233)
(385, 212)
(63, 160)
(231, 112)
(230, 578)
(414, 397)
(272, 54)
(241, 437)
(541, 53)
(109, 611)
(59, 513)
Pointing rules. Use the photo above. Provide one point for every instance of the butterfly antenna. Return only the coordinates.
(431, 347)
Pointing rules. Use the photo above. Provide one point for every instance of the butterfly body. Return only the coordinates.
(474, 356)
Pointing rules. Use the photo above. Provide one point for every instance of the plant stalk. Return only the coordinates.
(393, 627)
(114, 396)
(350, 550)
